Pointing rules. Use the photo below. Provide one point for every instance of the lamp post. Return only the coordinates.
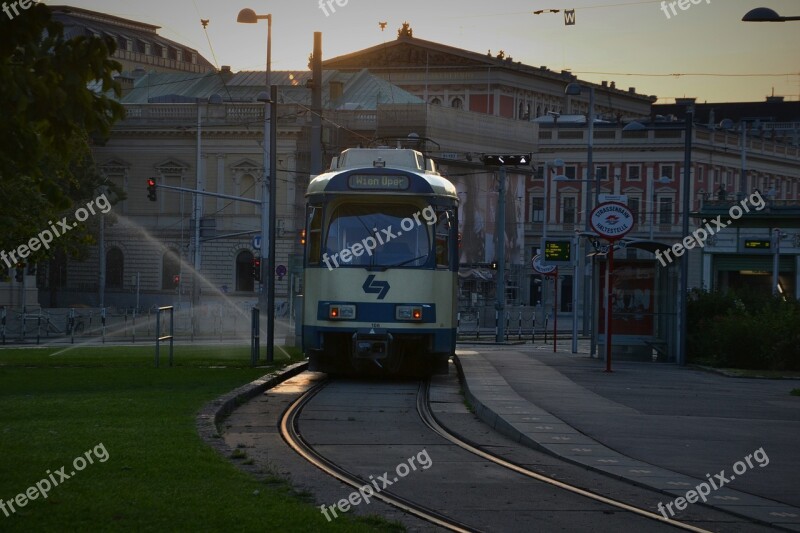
(575, 89)
(687, 175)
(765, 14)
(557, 163)
(575, 270)
(248, 16)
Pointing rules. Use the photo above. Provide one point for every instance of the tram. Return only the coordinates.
(380, 265)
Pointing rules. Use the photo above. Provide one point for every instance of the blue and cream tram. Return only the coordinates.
(381, 265)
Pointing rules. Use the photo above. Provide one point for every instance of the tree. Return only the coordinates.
(56, 95)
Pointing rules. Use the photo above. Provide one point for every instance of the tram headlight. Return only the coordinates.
(341, 312)
(408, 312)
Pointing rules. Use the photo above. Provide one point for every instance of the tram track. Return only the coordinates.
(291, 432)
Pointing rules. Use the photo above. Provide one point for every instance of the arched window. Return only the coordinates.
(170, 270)
(538, 111)
(457, 103)
(244, 272)
(115, 269)
(436, 101)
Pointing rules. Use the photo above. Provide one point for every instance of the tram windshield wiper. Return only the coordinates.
(407, 261)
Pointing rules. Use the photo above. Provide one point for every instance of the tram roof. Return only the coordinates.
(370, 162)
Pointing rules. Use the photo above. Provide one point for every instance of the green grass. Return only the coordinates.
(795, 392)
(159, 475)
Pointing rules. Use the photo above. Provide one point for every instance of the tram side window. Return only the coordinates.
(444, 230)
(314, 237)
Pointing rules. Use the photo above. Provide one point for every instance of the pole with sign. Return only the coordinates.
(612, 221)
(549, 271)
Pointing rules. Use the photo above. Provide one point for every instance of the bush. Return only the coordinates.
(744, 330)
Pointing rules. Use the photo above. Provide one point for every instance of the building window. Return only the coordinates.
(634, 173)
(568, 210)
(170, 270)
(571, 171)
(601, 172)
(244, 272)
(457, 103)
(115, 268)
(700, 174)
(665, 210)
(436, 101)
(667, 171)
(537, 209)
(634, 204)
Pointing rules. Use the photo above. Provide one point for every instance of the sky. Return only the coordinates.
(633, 42)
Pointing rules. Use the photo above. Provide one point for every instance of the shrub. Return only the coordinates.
(744, 330)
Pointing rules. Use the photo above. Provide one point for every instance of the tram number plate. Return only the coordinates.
(394, 183)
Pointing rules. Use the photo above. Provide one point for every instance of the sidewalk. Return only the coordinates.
(655, 425)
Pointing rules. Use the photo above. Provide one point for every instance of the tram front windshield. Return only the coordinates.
(385, 235)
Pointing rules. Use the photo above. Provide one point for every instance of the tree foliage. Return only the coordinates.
(49, 116)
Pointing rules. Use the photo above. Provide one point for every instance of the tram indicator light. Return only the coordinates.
(506, 160)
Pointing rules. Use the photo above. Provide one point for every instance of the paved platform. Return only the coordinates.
(660, 426)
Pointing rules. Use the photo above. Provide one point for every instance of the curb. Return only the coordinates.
(212, 413)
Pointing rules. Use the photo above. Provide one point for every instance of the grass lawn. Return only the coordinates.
(158, 474)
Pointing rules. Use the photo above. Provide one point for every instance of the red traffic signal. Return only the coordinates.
(151, 189)
(257, 268)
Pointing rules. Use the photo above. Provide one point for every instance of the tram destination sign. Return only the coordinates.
(378, 183)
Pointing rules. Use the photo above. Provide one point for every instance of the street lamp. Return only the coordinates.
(575, 89)
(765, 14)
(266, 298)
(687, 180)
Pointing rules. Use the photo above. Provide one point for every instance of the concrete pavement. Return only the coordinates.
(660, 426)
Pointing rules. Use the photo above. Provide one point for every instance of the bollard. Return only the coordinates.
(71, 321)
(519, 325)
(103, 323)
(255, 335)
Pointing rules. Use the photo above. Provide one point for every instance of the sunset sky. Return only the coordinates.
(627, 41)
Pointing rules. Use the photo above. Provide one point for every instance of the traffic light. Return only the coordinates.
(151, 189)
(493, 265)
(303, 237)
(176, 280)
(257, 269)
(506, 160)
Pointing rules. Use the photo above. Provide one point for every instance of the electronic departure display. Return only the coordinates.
(378, 183)
(557, 251)
(757, 244)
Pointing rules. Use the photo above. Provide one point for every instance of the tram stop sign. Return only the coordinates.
(612, 220)
(541, 268)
